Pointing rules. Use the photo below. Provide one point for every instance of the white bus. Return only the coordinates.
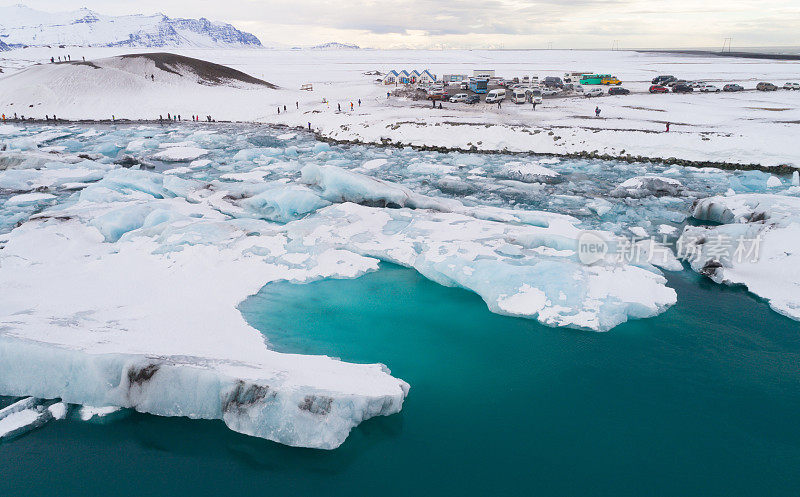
(495, 96)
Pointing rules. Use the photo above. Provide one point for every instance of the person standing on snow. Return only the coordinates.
(297, 104)
(667, 126)
(359, 102)
(597, 112)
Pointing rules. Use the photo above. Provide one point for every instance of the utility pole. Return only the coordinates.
(726, 42)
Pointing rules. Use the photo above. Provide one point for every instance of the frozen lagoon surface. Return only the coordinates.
(195, 235)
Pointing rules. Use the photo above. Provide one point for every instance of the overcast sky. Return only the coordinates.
(488, 23)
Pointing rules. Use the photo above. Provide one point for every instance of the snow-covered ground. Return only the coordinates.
(746, 127)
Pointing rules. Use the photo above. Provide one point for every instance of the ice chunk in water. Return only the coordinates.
(755, 246)
(284, 203)
(643, 186)
(180, 154)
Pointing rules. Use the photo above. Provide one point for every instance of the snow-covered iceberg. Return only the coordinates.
(756, 245)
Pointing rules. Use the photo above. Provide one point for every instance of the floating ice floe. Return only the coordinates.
(88, 413)
(756, 246)
(527, 172)
(26, 415)
(180, 154)
(29, 198)
(643, 186)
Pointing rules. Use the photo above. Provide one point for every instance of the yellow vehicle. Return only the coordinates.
(599, 79)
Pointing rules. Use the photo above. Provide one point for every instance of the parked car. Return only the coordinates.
(764, 86)
(464, 85)
(473, 99)
(662, 80)
(438, 95)
(682, 88)
(459, 97)
(595, 92)
(659, 89)
(732, 87)
(791, 86)
(697, 84)
(553, 82)
(672, 84)
(618, 90)
(549, 92)
(708, 89)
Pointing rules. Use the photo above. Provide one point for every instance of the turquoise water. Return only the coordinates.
(701, 400)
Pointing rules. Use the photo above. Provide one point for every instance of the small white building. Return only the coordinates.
(413, 76)
(390, 78)
(426, 78)
(403, 77)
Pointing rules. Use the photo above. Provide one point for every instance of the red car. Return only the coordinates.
(659, 89)
(438, 96)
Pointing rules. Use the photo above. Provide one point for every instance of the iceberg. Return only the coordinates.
(643, 186)
(180, 154)
(755, 246)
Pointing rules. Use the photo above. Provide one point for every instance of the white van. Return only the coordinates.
(519, 96)
(495, 96)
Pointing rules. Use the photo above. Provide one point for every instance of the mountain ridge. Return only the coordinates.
(24, 26)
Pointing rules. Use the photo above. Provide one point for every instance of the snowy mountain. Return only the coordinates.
(334, 46)
(21, 25)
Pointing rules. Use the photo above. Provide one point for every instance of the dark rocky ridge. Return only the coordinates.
(209, 72)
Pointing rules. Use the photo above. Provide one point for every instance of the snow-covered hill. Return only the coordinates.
(138, 86)
(335, 46)
(21, 25)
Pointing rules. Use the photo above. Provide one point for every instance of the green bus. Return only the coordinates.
(599, 79)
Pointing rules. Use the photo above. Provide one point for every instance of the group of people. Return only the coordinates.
(66, 58)
(177, 117)
(296, 105)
